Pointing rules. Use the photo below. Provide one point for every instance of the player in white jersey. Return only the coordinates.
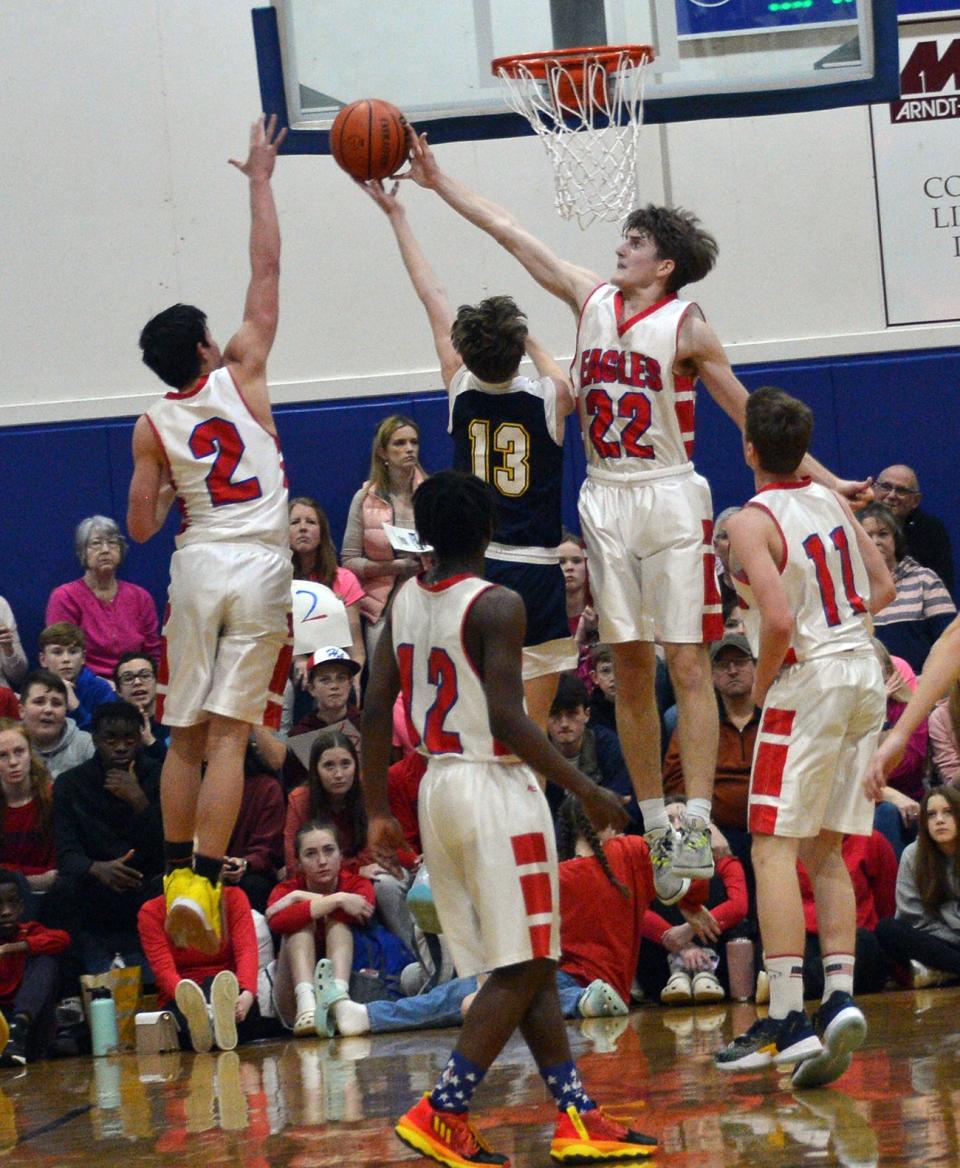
(646, 516)
(211, 443)
(511, 434)
(807, 575)
(452, 645)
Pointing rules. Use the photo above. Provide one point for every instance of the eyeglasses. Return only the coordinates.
(895, 489)
(732, 663)
(109, 541)
(140, 675)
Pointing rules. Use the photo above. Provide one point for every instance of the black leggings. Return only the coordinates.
(903, 942)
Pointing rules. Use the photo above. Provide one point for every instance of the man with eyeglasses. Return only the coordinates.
(898, 489)
(135, 678)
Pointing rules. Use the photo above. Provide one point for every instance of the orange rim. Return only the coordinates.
(538, 64)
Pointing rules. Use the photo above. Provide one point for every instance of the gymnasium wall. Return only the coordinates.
(118, 201)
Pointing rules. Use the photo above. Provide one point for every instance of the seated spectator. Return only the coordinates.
(116, 617)
(315, 911)
(732, 665)
(29, 976)
(62, 652)
(315, 558)
(899, 805)
(594, 751)
(923, 607)
(187, 980)
(109, 836)
(897, 488)
(330, 674)
(255, 851)
(676, 964)
(944, 727)
(26, 803)
(13, 660)
(580, 614)
(603, 698)
(333, 794)
(924, 936)
(57, 739)
(136, 680)
(385, 497)
(721, 548)
(872, 865)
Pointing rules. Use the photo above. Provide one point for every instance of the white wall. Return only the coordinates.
(118, 118)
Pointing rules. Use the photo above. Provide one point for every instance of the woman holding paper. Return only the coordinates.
(385, 500)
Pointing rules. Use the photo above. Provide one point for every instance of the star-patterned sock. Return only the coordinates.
(456, 1085)
(563, 1083)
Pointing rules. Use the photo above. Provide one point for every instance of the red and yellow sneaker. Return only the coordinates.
(445, 1136)
(590, 1137)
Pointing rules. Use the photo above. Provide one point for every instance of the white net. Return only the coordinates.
(588, 113)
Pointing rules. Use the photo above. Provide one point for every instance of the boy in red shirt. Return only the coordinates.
(29, 974)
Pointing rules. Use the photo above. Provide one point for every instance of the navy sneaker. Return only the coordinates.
(843, 1028)
(770, 1040)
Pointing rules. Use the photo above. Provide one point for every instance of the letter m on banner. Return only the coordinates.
(927, 72)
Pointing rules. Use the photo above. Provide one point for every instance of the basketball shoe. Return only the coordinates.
(842, 1029)
(669, 887)
(693, 852)
(445, 1136)
(193, 910)
(770, 1040)
(590, 1137)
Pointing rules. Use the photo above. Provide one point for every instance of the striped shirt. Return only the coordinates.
(922, 610)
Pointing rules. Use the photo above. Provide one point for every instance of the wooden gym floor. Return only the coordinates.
(312, 1103)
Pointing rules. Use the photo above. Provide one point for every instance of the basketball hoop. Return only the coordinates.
(586, 107)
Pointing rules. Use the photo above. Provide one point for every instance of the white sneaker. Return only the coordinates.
(925, 978)
(678, 990)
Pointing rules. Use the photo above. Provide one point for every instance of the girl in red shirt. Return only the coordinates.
(26, 807)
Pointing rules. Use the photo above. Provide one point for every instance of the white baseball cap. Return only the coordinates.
(332, 653)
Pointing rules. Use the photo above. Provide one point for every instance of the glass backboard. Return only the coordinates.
(714, 58)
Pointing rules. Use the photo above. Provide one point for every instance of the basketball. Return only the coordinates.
(368, 139)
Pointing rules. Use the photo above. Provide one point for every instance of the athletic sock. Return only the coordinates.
(456, 1085)
(305, 998)
(352, 1018)
(699, 809)
(177, 854)
(837, 973)
(786, 984)
(208, 867)
(563, 1083)
(654, 814)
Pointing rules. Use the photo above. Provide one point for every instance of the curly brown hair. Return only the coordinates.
(679, 237)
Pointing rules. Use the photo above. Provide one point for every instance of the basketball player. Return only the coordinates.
(645, 514)
(807, 574)
(454, 644)
(211, 442)
(507, 430)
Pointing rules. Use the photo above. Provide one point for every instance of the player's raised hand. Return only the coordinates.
(857, 494)
(423, 166)
(385, 199)
(604, 808)
(265, 141)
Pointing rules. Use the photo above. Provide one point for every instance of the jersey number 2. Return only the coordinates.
(813, 546)
(222, 438)
(634, 406)
(442, 673)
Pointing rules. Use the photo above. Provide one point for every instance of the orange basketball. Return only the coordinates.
(368, 139)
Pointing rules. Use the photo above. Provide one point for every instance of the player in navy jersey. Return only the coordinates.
(452, 645)
(210, 441)
(507, 430)
(646, 515)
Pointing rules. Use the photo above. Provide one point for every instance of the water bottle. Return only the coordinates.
(118, 962)
(103, 1022)
(740, 968)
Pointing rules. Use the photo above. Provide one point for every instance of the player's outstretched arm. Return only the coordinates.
(432, 294)
(940, 671)
(883, 591)
(250, 345)
(758, 548)
(547, 366)
(699, 350)
(570, 283)
(494, 635)
(384, 835)
(151, 492)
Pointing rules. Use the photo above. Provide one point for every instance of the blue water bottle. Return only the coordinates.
(103, 1022)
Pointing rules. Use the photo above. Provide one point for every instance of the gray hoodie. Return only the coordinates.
(72, 748)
